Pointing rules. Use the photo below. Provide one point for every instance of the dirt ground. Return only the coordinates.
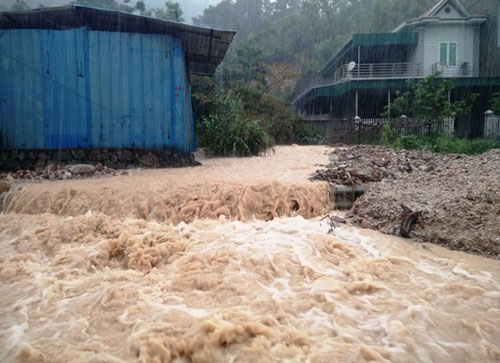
(458, 195)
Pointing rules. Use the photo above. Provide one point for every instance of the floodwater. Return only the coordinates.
(101, 271)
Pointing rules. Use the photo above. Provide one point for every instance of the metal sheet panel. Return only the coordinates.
(64, 97)
(133, 80)
(77, 89)
(21, 110)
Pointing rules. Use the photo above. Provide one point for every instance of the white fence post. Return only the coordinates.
(491, 124)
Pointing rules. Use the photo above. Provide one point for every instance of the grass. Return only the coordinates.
(445, 144)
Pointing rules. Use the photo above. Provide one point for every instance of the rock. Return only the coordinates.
(78, 154)
(43, 156)
(125, 155)
(53, 167)
(63, 155)
(124, 172)
(334, 158)
(4, 186)
(99, 167)
(365, 175)
(82, 169)
(148, 160)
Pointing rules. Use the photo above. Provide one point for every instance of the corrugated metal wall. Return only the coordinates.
(80, 88)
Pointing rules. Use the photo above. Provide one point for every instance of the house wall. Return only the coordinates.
(93, 89)
(433, 35)
(490, 37)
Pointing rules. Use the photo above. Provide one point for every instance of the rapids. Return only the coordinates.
(85, 276)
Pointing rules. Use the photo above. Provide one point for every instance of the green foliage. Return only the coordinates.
(445, 144)
(388, 134)
(172, 12)
(106, 4)
(227, 132)
(307, 32)
(308, 135)
(427, 99)
(19, 5)
(495, 103)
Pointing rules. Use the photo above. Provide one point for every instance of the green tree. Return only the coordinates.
(19, 5)
(495, 103)
(106, 4)
(172, 12)
(427, 99)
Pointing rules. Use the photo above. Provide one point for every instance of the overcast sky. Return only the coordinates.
(190, 7)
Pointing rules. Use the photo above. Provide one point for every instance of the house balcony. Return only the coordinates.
(378, 71)
(452, 70)
(370, 71)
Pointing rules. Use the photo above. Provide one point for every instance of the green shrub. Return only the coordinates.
(445, 144)
(227, 132)
(308, 135)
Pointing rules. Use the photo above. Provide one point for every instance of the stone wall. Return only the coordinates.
(12, 160)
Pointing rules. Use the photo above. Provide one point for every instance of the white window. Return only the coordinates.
(448, 54)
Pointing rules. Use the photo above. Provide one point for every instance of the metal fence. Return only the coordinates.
(370, 130)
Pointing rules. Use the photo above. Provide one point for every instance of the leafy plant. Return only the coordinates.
(495, 103)
(227, 132)
(445, 144)
(388, 134)
(308, 135)
(427, 99)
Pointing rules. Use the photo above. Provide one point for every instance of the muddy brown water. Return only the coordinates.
(229, 262)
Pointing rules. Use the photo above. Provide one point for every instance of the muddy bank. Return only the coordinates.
(458, 195)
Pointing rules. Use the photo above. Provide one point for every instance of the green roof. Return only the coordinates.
(339, 89)
(372, 39)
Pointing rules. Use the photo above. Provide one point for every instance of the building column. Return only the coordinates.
(389, 102)
(356, 105)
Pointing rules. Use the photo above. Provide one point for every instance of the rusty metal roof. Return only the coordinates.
(205, 48)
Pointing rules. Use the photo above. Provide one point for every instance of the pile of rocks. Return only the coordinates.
(14, 160)
(457, 196)
(361, 164)
(57, 172)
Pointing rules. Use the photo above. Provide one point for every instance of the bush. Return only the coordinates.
(445, 144)
(228, 133)
(308, 135)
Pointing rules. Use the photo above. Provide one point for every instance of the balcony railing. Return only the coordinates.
(378, 70)
(452, 70)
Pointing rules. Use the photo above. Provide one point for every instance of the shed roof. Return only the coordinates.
(205, 48)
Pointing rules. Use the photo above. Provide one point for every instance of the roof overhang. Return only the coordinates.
(339, 89)
(475, 20)
(205, 48)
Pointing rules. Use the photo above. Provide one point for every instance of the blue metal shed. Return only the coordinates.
(81, 77)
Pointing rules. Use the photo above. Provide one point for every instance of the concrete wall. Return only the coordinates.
(433, 35)
(490, 37)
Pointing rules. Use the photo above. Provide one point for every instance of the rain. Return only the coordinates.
(250, 181)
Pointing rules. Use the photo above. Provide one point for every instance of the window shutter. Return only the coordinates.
(443, 50)
(452, 57)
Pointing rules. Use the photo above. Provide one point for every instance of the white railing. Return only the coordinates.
(452, 70)
(378, 70)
